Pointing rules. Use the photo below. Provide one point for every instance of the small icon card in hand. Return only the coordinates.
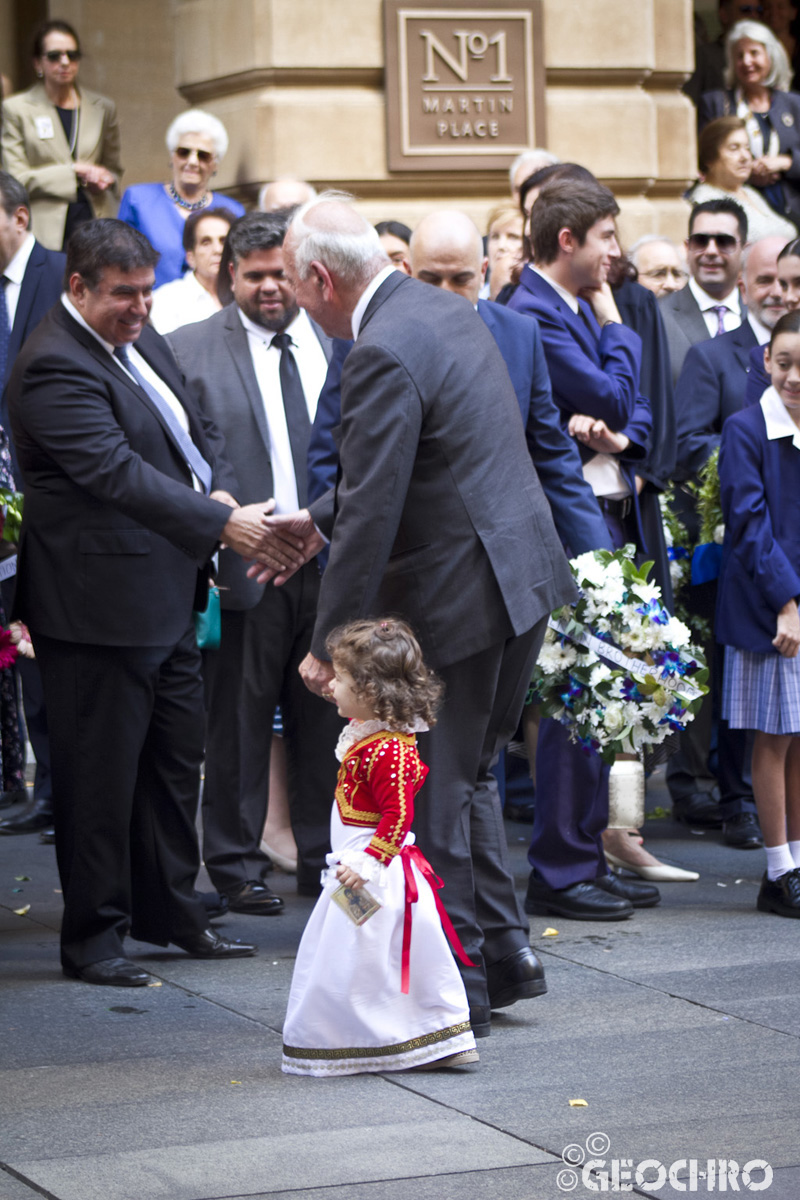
(359, 905)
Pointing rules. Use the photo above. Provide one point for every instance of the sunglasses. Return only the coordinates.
(726, 243)
(183, 152)
(55, 56)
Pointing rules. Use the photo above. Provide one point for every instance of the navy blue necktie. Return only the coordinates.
(5, 331)
(296, 409)
(194, 458)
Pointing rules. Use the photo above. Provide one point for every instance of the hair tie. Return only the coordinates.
(384, 625)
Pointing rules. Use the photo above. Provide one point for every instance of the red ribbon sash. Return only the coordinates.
(409, 854)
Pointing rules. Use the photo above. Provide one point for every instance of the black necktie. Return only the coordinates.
(296, 409)
(194, 459)
(5, 331)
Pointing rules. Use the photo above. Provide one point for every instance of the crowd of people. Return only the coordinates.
(311, 422)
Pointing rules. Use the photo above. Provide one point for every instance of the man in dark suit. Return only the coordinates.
(125, 501)
(30, 283)
(234, 365)
(594, 364)
(710, 303)
(419, 526)
(712, 385)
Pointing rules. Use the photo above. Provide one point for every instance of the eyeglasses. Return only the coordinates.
(666, 273)
(755, 10)
(183, 152)
(55, 56)
(726, 243)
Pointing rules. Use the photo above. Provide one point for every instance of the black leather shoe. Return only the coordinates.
(781, 895)
(480, 1018)
(48, 837)
(111, 972)
(209, 944)
(519, 812)
(641, 895)
(215, 904)
(518, 976)
(38, 816)
(255, 898)
(9, 799)
(743, 832)
(582, 902)
(699, 809)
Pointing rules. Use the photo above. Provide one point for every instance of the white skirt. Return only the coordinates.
(346, 1012)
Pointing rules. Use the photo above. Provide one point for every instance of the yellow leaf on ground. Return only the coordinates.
(21, 911)
(550, 932)
(578, 1104)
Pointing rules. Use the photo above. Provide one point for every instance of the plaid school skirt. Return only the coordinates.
(761, 691)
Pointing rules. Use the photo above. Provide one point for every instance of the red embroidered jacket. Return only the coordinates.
(378, 780)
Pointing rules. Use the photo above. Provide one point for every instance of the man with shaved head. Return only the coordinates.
(284, 193)
(447, 251)
(420, 527)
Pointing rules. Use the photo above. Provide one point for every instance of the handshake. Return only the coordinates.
(278, 545)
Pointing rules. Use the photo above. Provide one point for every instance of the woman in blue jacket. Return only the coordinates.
(757, 615)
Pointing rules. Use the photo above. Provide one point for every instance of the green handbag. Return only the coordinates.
(208, 624)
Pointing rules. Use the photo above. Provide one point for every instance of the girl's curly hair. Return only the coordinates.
(385, 663)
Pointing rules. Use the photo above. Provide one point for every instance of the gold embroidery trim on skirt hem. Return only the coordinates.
(427, 1039)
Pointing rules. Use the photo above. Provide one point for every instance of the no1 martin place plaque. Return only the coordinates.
(464, 83)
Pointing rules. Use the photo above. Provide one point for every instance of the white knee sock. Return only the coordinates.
(779, 860)
(794, 850)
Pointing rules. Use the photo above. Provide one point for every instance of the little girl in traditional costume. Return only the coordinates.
(375, 986)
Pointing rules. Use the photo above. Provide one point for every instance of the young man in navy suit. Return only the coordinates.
(594, 363)
(31, 279)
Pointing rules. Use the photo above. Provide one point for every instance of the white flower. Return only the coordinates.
(676, 633)
(646, 592)
(550, 636)
(555, 658)
(587, 567)
(600, 673)
(613, 719)
(719, 534)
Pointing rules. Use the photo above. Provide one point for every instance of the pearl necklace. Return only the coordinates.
(192, 205)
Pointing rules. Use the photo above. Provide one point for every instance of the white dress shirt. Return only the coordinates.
(15, 273)
(313, 367)
(776, 417)
(181, 302)
(732, 318)
(366, 296)
(141, 365)
(762, 333)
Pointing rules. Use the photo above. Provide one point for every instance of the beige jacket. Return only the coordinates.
(35, 151)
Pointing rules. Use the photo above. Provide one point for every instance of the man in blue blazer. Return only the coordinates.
(32, 279)
(594, 363)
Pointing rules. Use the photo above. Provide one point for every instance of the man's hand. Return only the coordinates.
(787, 639)
(227, 498)
(604, 306)
(317, 674)
(288, 541)
(595, 434)
(244, 529)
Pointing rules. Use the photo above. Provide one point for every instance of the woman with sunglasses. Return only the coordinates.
(197, 143)
(757, 81)
(61, 141)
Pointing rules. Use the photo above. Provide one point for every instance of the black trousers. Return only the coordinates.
(126, 742)
(254, 671)
(459, 818)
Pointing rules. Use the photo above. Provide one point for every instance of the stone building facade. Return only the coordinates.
(299, 85)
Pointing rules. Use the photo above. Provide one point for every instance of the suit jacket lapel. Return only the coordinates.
(690, 316)
(743, 340)
(27, 293)
(389, 285)
(60, 145)
(89, 129)
(238, 347)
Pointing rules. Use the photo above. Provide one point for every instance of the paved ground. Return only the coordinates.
(679, 1028)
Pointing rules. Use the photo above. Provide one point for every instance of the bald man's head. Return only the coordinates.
(447, 251)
